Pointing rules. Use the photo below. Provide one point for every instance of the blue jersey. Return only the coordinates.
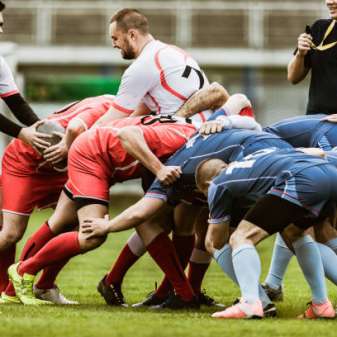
(302, 179)
(228, 145)
(306, 131)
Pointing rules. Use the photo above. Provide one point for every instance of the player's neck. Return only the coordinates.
(145, 41)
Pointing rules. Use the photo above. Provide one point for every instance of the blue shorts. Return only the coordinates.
(310, 188)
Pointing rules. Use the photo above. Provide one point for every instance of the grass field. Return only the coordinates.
(93, 318)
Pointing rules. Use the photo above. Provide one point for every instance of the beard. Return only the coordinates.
(127, 51)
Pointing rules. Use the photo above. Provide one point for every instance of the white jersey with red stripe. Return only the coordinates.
(7, 84)
(163, 77)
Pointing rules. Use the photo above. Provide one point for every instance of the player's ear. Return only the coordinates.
(132, 34)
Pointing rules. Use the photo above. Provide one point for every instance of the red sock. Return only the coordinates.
(32, 246)
(183, 246)
(125, 261)
(49, 274)
(63, 246)
(162, 251)
(7, 258)
(199, 263)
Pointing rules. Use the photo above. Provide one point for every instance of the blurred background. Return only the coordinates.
(61, 50)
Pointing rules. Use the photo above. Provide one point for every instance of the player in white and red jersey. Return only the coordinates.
(29, 181)
(161, 78)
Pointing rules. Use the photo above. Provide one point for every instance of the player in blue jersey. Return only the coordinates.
(291, 189)
(303, 131)
(307, 131)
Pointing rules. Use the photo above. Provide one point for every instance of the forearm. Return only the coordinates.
(244, 122)
(135, 144)
(212, 97)
(135, 215)
(296, 69)
(8, 127)
(21, 109)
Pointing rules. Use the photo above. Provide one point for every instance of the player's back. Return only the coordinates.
(256, 173)
(97, 105)
(298, 131)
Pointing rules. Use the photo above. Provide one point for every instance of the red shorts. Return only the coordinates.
(21, 194)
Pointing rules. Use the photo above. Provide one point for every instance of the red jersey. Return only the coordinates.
(21, 159)
(100, 148)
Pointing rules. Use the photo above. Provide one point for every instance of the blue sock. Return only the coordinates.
(332, 244)
(279, 263)
(329, 260)
(223, 257)
(310, 261)
(247, 267)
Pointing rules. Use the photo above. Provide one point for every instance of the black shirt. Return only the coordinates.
(323, 64)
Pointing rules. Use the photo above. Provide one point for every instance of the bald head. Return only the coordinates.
(206, 171)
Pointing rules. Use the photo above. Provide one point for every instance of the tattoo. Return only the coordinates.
(212, 97)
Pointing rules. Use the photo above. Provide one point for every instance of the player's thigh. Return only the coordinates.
(149, 229)
(91, 211)
(216, 237)
(64, 215)
(185, 216)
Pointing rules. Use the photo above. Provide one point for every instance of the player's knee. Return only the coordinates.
(237, 239)
(12, 237)
(209, 245)
(91, 243)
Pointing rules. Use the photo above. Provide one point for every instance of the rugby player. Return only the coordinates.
(10, 94)
(227, 145)
(161, 78)
(29, 181)
(290, 188)
(319, 131)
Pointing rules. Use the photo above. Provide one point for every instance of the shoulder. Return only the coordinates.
(320, 24)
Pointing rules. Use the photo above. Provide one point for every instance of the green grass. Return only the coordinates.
(93, 318)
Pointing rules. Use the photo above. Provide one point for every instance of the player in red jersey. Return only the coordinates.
(29, 181)
(98, 159)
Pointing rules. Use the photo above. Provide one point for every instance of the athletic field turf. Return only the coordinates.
(94, 318)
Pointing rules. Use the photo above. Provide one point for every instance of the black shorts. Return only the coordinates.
(273, 214)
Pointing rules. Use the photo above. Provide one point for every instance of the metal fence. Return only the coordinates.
(190, 24)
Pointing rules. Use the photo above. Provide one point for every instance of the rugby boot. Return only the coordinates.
(150, 300)
(6, 299)
(241, 310)
(112, 294)
(175, 302)
(23, 286)
(275, 295)
(269, 310)
(208, 301)
(52, 295)
(314, 311)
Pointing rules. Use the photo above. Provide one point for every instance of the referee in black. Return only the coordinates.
(317, 51)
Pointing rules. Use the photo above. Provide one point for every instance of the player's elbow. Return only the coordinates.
(76, 127)
(220, 95)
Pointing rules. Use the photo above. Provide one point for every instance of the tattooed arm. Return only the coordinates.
(212, 97)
